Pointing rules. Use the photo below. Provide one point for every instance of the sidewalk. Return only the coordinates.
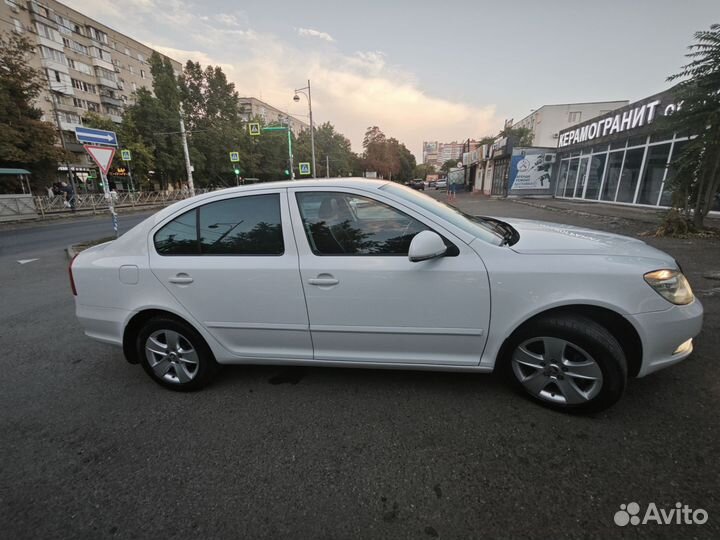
(606, 211)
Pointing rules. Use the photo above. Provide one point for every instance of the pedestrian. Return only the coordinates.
(69, 196)
(50, 192)
(452, 190)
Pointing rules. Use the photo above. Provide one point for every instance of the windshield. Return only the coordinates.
(476, 227)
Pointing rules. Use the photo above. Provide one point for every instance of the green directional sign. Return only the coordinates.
(125, 155)
(254, 128)
(304, 167)
(234, 157)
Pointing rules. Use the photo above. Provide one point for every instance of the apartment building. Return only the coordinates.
(255, 108)
(436, 153)
(547, 121)
(89, 67)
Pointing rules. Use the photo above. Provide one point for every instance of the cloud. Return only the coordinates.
(352, 90)
(309, 32)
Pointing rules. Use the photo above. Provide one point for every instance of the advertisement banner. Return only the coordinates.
(529, 169)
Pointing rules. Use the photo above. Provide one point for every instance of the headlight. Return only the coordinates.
(671, 285)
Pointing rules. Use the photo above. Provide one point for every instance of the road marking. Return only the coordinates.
(25, 261)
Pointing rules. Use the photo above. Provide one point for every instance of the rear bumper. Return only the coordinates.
(663, 332)
(102, 323)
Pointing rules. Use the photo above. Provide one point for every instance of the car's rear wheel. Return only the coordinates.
(567, 362)
(175, 355)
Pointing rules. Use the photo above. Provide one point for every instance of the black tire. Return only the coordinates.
(202, 371)
(589, 337)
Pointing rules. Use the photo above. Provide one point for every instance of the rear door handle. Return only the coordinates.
(181, 279)
(323, 280)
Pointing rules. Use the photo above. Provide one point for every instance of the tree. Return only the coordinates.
(521, 136)
(695, 178)
(25, 140)
(388, 157)
(328, 143)
(422, 170)
(449, 164)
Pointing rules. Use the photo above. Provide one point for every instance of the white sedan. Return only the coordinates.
(366, 273)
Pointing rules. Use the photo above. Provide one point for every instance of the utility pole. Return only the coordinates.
(327, 166)
(188, 165)
(308, 95)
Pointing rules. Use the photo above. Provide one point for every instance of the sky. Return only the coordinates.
(421, 70)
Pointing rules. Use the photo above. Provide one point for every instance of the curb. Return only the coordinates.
(70, 251)
(578, 212)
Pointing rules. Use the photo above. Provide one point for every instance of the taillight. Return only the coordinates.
(72, 280)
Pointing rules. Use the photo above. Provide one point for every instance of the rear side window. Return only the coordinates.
(242, 226)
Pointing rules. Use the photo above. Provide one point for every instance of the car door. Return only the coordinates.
(233, 264)
(366, 301)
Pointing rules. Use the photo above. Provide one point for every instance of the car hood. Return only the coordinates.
(545, 238)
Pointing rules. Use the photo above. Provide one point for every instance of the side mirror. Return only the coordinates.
(426, 245)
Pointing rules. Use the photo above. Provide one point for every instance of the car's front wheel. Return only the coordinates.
(175, 355)
(567, 362)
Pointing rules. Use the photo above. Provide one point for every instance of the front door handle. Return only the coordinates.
(181, 279)
(323, 280)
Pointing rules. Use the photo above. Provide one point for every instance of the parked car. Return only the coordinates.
(431, 184)
(417, 184)
(441, 184)
(368, 273)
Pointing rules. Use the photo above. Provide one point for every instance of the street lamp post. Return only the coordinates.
(308, 95)
(62, 141)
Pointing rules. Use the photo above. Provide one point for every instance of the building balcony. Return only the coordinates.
(115, 118)
(109, 100)
(102, 81)
(69, 126)
(105, 64)
(61, 87)
(55, 66)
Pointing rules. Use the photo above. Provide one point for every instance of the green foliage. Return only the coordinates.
(422, 170)
(520, 136)
(328, 143)
(695, 178)
(25, 140)
(388, 157)
(449, 164)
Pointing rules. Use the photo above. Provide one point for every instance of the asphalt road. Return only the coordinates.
(91, 448)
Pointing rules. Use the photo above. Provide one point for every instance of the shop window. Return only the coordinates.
(611, 177)
(597, 166)
(572, 177)
(582, 175)
(666, 197)
(574, 117)
(653, 175)
(630, 175)
(637, 141)
(616, 145)
(562, 178)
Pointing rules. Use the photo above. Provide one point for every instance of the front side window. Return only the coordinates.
(346, 224)
(248, 225)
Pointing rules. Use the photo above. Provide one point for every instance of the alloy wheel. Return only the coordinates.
(171, 356)
(557, 370)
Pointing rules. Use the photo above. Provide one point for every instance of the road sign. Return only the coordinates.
(95, 136)
(304, 167)
(254, 128)
(125, 155)
(234, 157)
(102, 156)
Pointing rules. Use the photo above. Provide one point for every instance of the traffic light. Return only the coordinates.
(237, 171)
(287, 172)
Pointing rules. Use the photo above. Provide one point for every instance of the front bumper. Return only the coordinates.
(662, 332)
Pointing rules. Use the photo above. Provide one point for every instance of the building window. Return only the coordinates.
(51, 54)
(18, 26)
(131, 69)
(83, 86)
(574, 117)
(666, 197)
(134, 86)
(142, 73)
(597, 166)
(141, 57)
(45, 31)
(653, 175)
(630, 175)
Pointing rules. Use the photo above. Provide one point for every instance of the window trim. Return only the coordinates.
(197, 208)
(452, 249)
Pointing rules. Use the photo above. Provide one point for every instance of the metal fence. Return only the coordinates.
(99, 202)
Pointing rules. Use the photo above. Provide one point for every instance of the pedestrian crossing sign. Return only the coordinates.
(304, 168)
(254, 128)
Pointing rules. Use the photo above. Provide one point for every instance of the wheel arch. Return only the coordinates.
(614, 322)
(136, 322)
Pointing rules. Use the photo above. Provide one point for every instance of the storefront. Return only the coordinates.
(501, 152)
(621, 157)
